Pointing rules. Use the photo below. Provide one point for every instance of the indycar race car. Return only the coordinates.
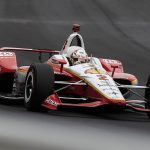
(69, 78)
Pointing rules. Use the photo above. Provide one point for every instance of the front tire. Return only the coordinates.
(147, 96)
(39, 84)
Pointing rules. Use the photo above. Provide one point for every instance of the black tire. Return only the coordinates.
(39, 84)
(147, 96)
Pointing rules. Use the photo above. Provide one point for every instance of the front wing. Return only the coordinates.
(54, 101)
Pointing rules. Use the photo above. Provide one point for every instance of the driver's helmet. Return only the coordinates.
(77, 55)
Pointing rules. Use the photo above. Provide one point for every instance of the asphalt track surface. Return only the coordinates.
(118, 29)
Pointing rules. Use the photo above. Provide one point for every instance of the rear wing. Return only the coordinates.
(28, 49)
(40, 51)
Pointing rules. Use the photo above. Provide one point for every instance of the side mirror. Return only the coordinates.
(114, 66)
(62, 62)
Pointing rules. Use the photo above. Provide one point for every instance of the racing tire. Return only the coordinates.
(39, 84)
(147, 96)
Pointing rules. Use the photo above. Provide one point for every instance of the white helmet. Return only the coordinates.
(76, 55)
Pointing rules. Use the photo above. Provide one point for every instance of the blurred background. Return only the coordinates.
(117, 29)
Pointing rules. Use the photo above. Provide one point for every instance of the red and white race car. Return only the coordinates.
(58, 82)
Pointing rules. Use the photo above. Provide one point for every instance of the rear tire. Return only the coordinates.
(147, 96)
(39, 84)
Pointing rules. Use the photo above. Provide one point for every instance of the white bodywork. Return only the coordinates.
(97, 78)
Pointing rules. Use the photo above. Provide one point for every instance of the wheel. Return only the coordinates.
(147, 96)
(39, 84)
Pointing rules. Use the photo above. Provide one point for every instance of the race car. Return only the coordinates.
(69, 78)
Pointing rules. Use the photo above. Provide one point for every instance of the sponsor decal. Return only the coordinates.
(49, 101)
(22, 70)
(102, 78)
(92, 71)
(110, 61)
(6, 54)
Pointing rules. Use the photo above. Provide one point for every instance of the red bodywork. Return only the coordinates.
(7, 62)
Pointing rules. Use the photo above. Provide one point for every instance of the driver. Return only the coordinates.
(76, 55)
